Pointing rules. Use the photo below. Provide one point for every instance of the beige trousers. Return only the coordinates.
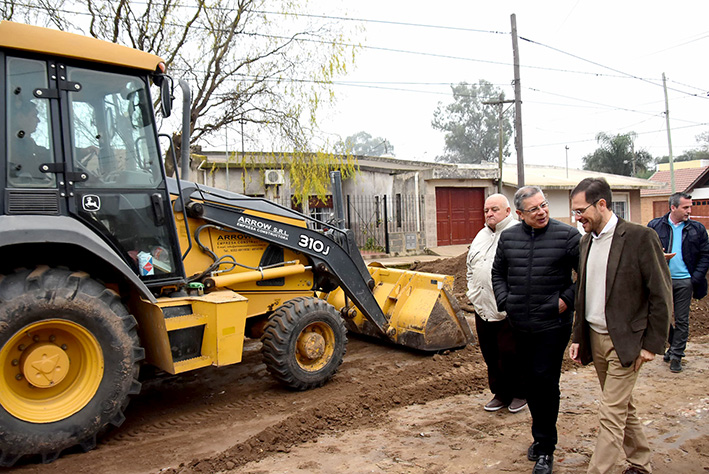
(620, 427)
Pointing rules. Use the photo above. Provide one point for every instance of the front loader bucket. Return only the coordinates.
(420, 309)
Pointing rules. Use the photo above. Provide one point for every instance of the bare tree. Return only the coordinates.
(246, 60)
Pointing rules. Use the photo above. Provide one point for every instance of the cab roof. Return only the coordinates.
(69, 45)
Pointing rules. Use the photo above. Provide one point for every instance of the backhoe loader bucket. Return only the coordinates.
(420, 308)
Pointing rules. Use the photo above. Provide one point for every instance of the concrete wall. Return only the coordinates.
(646, 206)
(368, 182)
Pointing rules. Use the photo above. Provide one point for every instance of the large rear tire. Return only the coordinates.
(304, 343)
(69, 360)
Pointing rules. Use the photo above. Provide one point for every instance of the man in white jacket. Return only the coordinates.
(494, 332)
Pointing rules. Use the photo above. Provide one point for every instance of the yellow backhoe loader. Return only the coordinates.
(106, 264)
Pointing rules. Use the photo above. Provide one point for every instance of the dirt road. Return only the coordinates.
(388, 410)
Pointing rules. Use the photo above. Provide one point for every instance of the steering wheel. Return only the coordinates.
(84, 160)
(111, 177)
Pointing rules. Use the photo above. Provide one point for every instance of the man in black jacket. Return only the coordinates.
(532, 281)
(689, 261)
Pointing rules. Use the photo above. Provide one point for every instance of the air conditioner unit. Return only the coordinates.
(274, 177)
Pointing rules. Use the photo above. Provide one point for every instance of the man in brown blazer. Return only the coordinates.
(623, 310)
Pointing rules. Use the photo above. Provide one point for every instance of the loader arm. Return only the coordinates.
(327, 255)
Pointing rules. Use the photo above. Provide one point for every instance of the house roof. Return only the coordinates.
(685, 179)
(257, 159)
(547, 177)
(557, 177)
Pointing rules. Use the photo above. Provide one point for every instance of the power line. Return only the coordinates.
(401, 51)
(706, 35)
(612, 107)
(566, 142)
(649, 81)
(390, 86)
(388, 22)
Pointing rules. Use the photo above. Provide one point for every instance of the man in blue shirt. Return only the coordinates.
(687, 249)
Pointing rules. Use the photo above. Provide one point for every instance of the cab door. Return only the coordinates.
(30, 140)
(111, 153)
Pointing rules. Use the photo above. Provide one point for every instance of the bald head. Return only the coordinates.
(497, 207)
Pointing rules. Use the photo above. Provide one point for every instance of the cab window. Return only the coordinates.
(29, 138)
(112, 131)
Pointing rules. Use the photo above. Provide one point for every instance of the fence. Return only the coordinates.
(378, 222)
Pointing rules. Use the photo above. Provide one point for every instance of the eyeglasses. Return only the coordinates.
(579, 212)
(535, 209)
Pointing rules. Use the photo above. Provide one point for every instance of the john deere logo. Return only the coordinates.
(91, 203)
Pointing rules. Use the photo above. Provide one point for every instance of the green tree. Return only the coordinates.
(364, 144)
(688, 155)
(617, 155)
(472, 127)
(254, 61)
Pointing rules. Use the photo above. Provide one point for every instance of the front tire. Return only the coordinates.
(69, 359)
(304, 343)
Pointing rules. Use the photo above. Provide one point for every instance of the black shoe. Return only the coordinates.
(495, 404)
(666, 357)
(517, 404)
(676, 365)
(544, 464)
(532, 453)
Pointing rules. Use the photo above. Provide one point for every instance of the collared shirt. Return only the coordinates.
(596, 270)
(678, 269)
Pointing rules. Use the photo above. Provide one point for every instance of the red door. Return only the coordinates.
(660, 208)
(459, 214)
(700, 211)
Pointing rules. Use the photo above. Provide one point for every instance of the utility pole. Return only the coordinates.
(518, 105)
(501, 134)
(669, 136)
(243, 157)
(226, 153)
(567, 160)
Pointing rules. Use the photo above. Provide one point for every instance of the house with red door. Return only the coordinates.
(401, 206)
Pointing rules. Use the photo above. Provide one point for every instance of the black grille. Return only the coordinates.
(174, 311)
(33, 202)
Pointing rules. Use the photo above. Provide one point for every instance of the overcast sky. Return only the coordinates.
(586, 67)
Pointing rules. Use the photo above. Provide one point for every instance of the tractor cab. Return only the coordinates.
(81, 141)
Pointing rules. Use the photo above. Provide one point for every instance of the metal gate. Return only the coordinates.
(373, 218)
(366, 217)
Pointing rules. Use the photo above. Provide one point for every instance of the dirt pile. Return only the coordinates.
(456, 267)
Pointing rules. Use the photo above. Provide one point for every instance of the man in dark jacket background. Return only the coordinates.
(689, 261)
(532, 281)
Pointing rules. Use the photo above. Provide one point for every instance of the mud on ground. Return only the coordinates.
(388, 410)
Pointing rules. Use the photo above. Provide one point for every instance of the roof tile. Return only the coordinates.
(684, 179)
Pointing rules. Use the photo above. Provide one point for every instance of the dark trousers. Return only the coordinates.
(541, 354)
(497, 344)
(679, 331)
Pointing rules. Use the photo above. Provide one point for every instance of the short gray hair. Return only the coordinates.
(526, 192)
(674, 199)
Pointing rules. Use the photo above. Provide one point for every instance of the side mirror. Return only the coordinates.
(166, 97)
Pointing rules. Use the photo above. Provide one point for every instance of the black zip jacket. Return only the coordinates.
(532, 270)
(695, 249)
